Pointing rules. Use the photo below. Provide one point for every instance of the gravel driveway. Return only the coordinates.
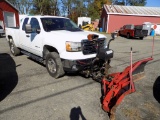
(27, 92)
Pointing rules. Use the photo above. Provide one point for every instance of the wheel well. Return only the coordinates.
(9, 37)
(47, 49)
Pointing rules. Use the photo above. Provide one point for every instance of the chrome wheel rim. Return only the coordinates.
(52, 66)
(12, 48)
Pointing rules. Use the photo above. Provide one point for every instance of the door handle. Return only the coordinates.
(27, 35)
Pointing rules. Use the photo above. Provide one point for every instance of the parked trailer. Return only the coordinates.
(148, 26)
(83, 19)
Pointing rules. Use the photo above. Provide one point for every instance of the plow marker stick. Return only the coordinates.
(132, 88)
(131, 71)
(152, 47)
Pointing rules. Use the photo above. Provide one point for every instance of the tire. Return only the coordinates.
(14, 50)
(54, 65)
(141, 38)
(128, 36)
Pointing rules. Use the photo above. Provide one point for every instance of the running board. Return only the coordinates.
(34, 57)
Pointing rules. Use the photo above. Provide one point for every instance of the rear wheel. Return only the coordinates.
(54, 65)
(14, 50)
(128, 36)
(141, 38)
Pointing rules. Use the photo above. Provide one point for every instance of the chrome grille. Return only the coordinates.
(91, 47)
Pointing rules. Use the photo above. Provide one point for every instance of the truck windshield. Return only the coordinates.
(51, 24)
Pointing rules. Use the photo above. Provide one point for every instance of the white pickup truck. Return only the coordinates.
(57, 42)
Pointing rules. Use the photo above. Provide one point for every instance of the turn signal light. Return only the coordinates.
(92, 37)
(68, 46)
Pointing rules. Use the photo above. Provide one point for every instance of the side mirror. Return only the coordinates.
(113, 36)
(28, 28)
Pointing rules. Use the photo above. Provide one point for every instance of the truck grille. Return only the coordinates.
(90, 47)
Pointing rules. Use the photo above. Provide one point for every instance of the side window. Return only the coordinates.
(34, 24)
(24, 23)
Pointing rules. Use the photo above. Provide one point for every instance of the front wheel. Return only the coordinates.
(54, 65)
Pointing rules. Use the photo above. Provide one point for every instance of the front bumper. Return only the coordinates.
(76, 65)
(84, 64)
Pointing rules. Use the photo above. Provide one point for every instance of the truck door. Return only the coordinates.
(36, 37)
(123, 30)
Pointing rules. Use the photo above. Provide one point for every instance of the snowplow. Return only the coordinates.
(115, 86)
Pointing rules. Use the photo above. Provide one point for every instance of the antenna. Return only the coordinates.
(152, 47)
(132, 87)
(131, 69)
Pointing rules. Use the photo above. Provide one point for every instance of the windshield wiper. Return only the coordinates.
(60, 29)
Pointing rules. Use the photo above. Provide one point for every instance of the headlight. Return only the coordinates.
(73, 46)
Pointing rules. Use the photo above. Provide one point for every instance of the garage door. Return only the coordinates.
(9, 19)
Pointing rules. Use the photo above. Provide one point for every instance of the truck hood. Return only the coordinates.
(72, 36)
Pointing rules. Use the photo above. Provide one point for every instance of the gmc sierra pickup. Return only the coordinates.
(58, 43)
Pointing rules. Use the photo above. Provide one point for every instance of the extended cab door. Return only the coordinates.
(31, 42)
(36, 37)
(123, 30)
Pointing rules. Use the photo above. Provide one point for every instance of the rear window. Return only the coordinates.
(138, 27)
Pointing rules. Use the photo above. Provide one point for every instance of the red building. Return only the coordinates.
(115, 16)
(9, 15)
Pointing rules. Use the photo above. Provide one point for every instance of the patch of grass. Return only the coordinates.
(157, 37)
(152, 108)
(132, 114)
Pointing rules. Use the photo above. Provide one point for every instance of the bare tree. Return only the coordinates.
(23, 6)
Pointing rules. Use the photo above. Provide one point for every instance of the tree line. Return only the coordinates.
(69, 8)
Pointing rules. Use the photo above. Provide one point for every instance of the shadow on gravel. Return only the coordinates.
(19, 105)
(131, 38)
(76, 114)
(8, 75)
(36, 61)
(156, 89)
